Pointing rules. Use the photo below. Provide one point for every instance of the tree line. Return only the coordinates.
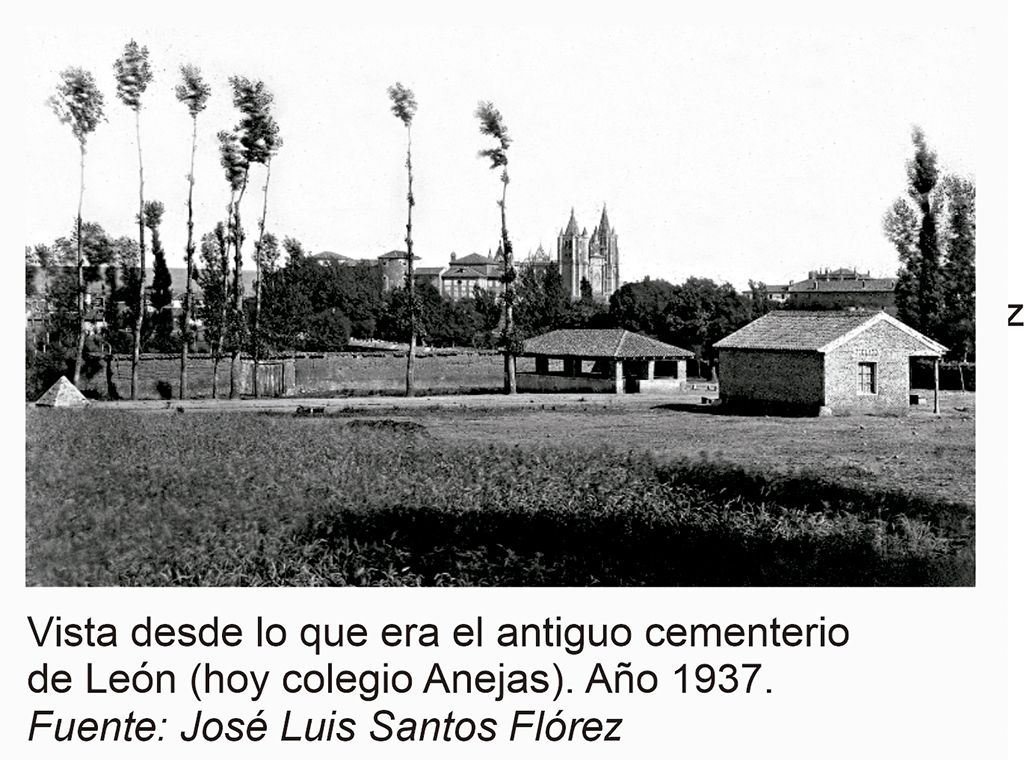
(255, 140)
(298, 305)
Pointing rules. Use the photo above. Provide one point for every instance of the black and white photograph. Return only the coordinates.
(472, 306)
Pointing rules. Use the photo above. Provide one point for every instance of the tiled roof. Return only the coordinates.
(427, 270)
(329, 256)
(395, 255)
(475, 259)
(602, 344)
(863, 285)
(811, 331)
(468, 273)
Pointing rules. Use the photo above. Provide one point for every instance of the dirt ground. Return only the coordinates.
(928, 455)
(919, 453)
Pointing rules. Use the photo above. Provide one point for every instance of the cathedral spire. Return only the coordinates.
(603, 226)
(572, 228)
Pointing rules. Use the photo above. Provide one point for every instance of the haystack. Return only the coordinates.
(63, 393)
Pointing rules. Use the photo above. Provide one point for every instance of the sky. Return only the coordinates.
(735, 152)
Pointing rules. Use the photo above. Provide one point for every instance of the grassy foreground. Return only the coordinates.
(245, 499)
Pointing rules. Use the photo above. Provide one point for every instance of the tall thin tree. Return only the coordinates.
(193, 91)
(160, 290)
(257, 138)
(492, 125)
(403, 105)
(923, 175)
(133, 76)
(212, 276)
(236, 170)
(78, 102)
(272, 142)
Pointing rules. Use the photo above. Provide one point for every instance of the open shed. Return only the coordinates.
(820, 362)
(602, 361)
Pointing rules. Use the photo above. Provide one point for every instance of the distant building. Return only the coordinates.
(591, 259)
(813, 362)
(837, 289)
(393, 266)
(537, 259)
(428, 276)
(330, 258)
(464, 275)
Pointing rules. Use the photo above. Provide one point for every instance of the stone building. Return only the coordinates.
(841, 288)
(594, 259)
(822, 362)
(602, 361)
(464, 275)
(393, 268)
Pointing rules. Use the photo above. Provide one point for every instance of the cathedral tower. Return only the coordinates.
(591, 258)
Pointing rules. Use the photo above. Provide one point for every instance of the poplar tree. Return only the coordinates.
(923, 175)
(272, 143)
(212, 277)
(193, 91)
(257, 139)
(957, 234)
(403, 105)
(161, 295)
(492, 125)
(79, 104)
(236, 171)
(933, 233)
(133, 76)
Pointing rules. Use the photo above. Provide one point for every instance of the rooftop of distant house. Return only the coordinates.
(841, 280)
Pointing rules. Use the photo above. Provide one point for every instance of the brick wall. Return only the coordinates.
(771, 378)
(887, 347)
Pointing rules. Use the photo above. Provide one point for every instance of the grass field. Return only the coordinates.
(591, 492)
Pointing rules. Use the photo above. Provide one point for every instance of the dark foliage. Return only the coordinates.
(693, 315)
(934, 237)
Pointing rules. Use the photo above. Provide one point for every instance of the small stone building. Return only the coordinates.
(602, 361)
(822, 362)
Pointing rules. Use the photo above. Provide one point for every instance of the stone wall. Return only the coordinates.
(385, 373)
(661, 385)
(159, 376)
(889, 349)
(529, 382)
(771, 379)
(305, 374)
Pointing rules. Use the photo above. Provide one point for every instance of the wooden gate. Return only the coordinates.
(273, 377)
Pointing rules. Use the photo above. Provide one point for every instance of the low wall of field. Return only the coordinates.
(304, 375)
(662, 385)
(363, 373)
(160, 378)
(530, 382)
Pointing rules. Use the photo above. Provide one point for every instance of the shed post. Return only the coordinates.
(935, 391)
(681, 369)
(650, 369)
(619, 384)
